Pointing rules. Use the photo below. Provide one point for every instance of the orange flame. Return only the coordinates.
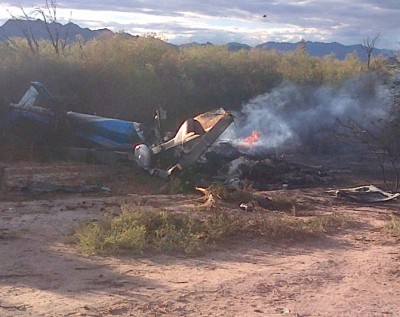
(255, 135)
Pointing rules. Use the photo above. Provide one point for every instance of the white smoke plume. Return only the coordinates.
(292, 114)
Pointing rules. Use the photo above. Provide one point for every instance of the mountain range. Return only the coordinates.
(70, 31)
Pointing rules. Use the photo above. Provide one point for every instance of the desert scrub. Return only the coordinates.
(112, 235)
(393, 227)
(292, 228)
(136, 231)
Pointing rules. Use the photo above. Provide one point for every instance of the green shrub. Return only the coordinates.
(112, 235)
(136, 231)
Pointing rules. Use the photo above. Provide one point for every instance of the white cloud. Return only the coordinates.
(347, 22)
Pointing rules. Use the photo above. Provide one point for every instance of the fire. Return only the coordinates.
(255, 135)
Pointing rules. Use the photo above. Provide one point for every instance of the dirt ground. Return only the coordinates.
(354, 272)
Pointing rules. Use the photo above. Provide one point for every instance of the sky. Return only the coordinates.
(250, 22)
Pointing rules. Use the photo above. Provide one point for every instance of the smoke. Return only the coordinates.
(297, 115)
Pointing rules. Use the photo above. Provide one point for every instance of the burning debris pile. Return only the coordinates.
(234, 165)
(289, 119)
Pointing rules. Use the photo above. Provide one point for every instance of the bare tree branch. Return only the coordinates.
(53, 28)
(369, 45)
(24, 27)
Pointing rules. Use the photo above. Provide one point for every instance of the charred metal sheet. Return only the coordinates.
(365, 194)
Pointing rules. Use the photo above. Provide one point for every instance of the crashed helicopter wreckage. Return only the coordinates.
(128, 140)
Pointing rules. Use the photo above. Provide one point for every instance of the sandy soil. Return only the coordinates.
(354, 272)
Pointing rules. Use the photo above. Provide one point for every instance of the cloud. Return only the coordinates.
(347, 22)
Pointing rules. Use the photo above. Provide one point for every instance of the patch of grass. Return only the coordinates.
(284, 203)
(112, 235)
(240, 196)
(234, 195)
(292, 227)
(327, 223)
(393, 227)
(137, 231)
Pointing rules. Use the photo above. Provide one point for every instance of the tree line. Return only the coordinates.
(127, 77)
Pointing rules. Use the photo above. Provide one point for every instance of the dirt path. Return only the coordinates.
(355, 272)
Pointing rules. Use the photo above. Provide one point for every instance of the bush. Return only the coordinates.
(137, 231)
(124, 77)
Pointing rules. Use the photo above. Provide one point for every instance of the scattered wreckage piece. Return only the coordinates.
(90, 135)
(192, 139)
(209, 199)
(50, 125)
(249, 207)
(365, 194)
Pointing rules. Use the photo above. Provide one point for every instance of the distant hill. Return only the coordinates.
(14, 28)
(322, 49)
(195, 44)
(234, 47)
(69, 31)
(318, 49)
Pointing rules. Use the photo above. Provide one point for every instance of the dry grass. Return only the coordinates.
(137, 231)
(284, 203)
(393, 227)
